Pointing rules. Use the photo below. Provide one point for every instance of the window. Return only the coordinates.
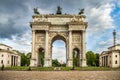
(1, 61)
(8, 62)
(2, 55)
(115, 55)
(116, 62)
(110, 62)
(8, 49)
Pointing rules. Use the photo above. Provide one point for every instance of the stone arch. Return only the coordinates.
(58, 37)
(58, 27)
(41, 55)
(55, 36)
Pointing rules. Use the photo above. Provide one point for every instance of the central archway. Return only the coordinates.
(58, 52)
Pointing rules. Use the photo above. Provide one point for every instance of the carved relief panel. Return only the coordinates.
(76, 27)
(76, 39)
(40, 38)
(59, 28)
(40, 27)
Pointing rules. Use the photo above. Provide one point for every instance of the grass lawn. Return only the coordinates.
(25, 68)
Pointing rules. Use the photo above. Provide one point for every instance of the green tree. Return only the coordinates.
(28, 56)
(97, 59)
(42, 58)
(90, 58)
(23, 59)
(55, 63)
(63, 65)
(75, 59)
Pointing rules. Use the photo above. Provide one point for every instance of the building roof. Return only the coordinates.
(5, 45)
(113, 46)
(109, 52)
(10, 52)
(104, 52)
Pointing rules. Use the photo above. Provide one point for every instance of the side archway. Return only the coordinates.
(41, 54)
(76, 57)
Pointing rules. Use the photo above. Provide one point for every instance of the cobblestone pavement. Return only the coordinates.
(59, 75)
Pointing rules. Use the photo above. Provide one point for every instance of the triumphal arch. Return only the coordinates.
(46, 28)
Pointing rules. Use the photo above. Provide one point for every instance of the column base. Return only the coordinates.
(33, 63)
(70, 63)
(84, 63)
(48, 63)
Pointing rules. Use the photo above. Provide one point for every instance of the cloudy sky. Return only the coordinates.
(103, 16)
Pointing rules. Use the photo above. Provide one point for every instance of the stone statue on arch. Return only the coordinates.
(81, 11)
(36, 11)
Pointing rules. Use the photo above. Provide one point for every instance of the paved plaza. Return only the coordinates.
(59, 75)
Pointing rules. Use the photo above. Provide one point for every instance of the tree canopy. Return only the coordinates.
(92, 58)
(55, 63)
(25, 58)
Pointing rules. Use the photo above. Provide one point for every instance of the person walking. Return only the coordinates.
(2, 68)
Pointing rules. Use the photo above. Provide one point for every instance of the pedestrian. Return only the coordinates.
(2, 68)
(29, 69)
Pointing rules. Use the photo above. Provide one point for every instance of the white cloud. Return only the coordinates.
(108, 42)
(100, 19)
(24, 39)
(59, 53)
(21, 43)
(103, 45)
(4, 18)
(118, 37)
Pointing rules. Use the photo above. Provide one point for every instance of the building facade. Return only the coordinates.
(111, 58)
(46, 28)
(9, 57)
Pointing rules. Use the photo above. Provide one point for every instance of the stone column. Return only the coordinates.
(102, 60)
(83, 48)
(13, 60)
(16, 61)
(66, 52)
(50, 55)
(33, 59)
(80, 59)
(70, 55)
(105, 61)
(46, 60)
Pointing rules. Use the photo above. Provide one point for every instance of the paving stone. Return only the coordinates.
(59, 75)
